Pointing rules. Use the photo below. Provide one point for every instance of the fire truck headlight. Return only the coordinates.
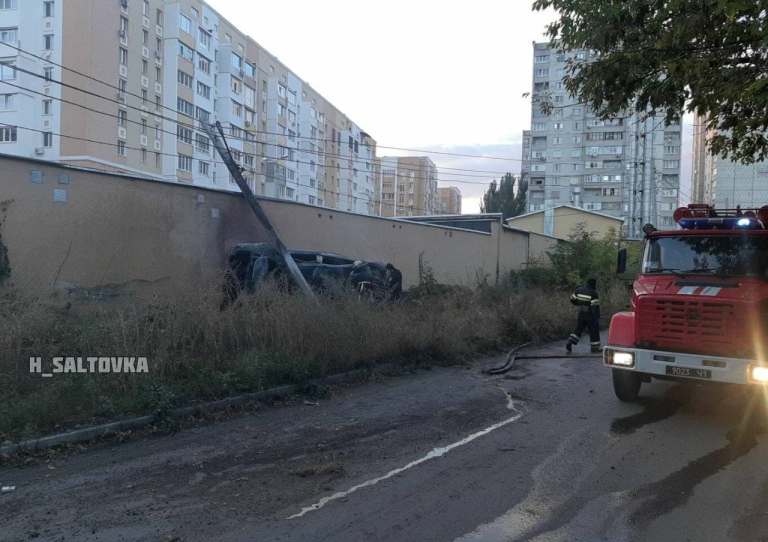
(759, 374)
(743, 222)
(626, 359)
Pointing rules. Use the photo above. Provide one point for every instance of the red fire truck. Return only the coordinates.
(699, 305)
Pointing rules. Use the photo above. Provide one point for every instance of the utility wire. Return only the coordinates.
(212, 161)
(327, 140)
(192, 127)
(127, 120)
(364, 198)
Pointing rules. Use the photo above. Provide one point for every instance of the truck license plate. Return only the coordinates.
(688, 372)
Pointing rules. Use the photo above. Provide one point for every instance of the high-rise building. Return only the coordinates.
(408, 186)
(725, 183)
(165, 67)
(450, 200)
(627, 166)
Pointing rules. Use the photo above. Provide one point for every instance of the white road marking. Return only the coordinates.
(435, 453)
(568, 462)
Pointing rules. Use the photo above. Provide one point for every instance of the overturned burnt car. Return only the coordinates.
(252, 264)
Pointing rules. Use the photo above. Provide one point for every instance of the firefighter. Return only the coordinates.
(586, 299)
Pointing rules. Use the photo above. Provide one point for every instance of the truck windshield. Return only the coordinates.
(723, 255)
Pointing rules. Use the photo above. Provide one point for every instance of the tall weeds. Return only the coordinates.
(197, 350)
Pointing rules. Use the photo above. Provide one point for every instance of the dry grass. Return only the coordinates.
(198, 351)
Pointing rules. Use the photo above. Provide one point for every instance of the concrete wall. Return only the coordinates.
(568, 220)
(533, 222)
(88, 230)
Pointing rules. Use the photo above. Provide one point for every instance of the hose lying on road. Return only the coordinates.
(513, 356)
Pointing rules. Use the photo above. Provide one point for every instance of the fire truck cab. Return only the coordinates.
(699, 306)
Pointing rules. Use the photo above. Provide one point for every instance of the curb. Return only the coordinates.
(90, 433)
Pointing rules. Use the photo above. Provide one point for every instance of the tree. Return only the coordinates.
(508, 197)
(703, 56)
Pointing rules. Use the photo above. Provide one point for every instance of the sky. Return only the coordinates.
(424, 75)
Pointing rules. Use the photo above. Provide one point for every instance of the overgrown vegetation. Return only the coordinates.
(197, 351)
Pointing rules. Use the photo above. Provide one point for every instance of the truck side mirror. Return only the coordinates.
(621, 261)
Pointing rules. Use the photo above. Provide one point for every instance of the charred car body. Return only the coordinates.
(252, 264)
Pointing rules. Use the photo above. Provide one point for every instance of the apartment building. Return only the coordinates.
(449, 198)
(627, 166)
(170, 65)
(408, 186)
(724, 183)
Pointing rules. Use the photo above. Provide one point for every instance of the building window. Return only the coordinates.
(203, 90)
(159, 17)
(185, 163)
(145, 38)
(186, 52)
(204, 168)
(185, 24)
(6, 101)
(122, 117)
(123, 56)
(203, 64)
(145, 8)
(185, 79)
(9, 35)
(7, 72)
(185, 107)
(143, 126)
(144, 67)
(47, 139)
(47, 107)
(237, 109)
(121, 147)
(202, 143)
(671, 164)
(237, 61)
(7, 4)
(184, 134)
(202, 114)
(237, 86)
(7, 134)
(204, 38)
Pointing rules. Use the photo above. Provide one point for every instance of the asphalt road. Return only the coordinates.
(544, 453)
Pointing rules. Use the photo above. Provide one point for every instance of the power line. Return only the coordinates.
(216, 162)
(156, 128)
(327, 140)
(197, 130)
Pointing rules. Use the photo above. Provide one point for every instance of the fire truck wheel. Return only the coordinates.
(626, 385)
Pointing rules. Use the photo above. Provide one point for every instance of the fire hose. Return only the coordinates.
(514, 355)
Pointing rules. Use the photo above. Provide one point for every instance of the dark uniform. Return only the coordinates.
(394, 282)
(585, 297)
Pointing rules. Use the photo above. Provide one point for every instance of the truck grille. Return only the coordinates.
(699, 327)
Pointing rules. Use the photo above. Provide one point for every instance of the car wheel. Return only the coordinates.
(626, 385)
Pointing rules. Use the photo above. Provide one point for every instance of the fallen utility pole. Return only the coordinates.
(226, 155)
